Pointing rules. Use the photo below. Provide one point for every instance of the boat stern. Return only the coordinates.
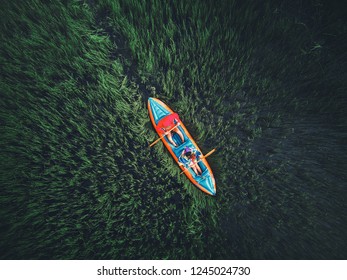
(207, 184)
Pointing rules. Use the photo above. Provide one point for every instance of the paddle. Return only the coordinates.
(156, 141)
(205, 156)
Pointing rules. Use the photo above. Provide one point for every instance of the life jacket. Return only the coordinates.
(167, 123)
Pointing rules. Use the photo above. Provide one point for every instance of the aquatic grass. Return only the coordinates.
(262, 82)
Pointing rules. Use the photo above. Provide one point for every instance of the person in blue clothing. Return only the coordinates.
(189, 158)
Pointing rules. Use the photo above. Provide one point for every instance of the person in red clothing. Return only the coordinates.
(167, 125)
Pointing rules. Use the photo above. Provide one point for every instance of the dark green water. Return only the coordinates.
(264, 83)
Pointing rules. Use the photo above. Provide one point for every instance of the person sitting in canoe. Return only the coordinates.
(189, 158)
(168, 125)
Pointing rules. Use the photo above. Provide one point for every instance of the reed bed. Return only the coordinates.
(264, 83)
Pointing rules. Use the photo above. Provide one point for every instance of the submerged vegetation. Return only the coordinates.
(264, 83)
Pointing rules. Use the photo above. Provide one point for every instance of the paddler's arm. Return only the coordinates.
(181, 161)
(164, 130)
(176, 119)
(198, 154)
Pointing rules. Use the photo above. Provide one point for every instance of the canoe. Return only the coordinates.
(206, 182)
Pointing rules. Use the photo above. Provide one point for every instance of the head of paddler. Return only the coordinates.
(187, 152)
